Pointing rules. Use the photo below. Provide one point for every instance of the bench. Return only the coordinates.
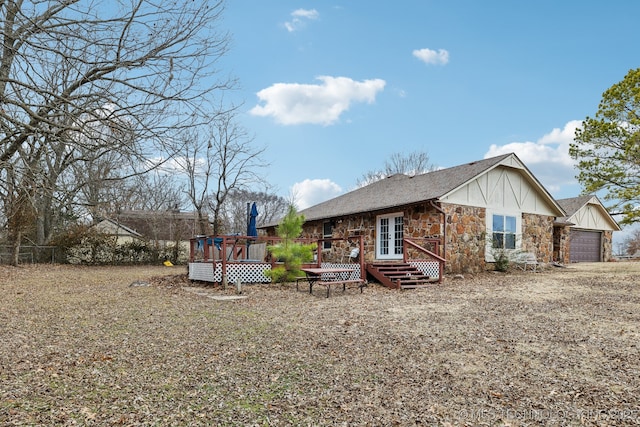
(360, 282)
(526, 259)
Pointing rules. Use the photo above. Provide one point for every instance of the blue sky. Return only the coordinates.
(332, 89)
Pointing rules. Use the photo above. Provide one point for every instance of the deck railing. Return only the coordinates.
(412, 252)
(236, 249)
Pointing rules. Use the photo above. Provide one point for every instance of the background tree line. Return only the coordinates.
(116, 104)
(112, 105)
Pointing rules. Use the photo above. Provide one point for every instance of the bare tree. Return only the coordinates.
(632, 243)
(414, 163)
(235, 164)
(96, 77)
(154, 192)
(217, 161)
(233, 214)
(196, 162)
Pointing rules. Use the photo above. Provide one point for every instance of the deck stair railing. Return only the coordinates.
(423, 258)
(420, 266)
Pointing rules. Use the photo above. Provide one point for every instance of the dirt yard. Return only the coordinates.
(81, 346)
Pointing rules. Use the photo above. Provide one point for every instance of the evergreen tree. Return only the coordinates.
(291, 253)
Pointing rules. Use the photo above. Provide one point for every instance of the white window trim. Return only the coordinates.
(327, 236)
(488, 255)
(389, 256)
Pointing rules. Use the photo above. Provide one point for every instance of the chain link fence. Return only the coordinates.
(32, 254)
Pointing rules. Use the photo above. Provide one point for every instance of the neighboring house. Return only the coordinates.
(160, 228)
(589, 233)
(121, 232)
(470, 209)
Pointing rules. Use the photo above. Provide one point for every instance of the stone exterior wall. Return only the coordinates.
(355, 225)
(465, 232)
(466, 239)
(537, 236)
(607, 245)
(420, 221)
(561, 244)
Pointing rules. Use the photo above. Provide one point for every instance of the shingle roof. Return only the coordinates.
(399, 190)
(572, 205)
(160, 225)
(116, 225)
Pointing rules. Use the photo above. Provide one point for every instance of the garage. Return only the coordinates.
(585, 246)
(586, 233)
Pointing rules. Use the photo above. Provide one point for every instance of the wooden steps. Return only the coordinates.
(399, 275)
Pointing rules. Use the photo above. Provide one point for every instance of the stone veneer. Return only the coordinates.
(355, 225)
(561, 244)
(537, 236)
(607, 245)
(465, 231)
(466, 238)
(465, 234)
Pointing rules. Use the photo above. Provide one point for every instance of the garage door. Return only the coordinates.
(585, 246)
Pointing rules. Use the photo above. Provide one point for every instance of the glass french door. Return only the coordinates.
(389, 236)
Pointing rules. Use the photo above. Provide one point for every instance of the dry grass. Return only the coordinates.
(79, 346)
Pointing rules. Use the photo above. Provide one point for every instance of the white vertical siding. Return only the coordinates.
(503, 188)
(591, 217)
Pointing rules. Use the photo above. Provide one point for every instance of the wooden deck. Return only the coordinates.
(227, 259)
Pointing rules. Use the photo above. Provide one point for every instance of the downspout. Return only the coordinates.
(444, 227)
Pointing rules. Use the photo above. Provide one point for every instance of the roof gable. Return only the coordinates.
(509, 186)
(587, 212)
(109, 226)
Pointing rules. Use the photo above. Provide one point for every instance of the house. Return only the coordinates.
(160, 229)
(470, 211)
(587, 229)
(121, 232)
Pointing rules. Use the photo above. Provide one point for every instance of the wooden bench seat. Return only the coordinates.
(344, 283)
(360, 282)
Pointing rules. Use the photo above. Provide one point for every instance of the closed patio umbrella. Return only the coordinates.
(252, 231)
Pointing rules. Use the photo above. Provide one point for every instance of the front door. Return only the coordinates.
(390, 233)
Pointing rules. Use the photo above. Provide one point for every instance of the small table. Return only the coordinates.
(330, 276)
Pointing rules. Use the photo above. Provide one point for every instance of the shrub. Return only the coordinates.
(501, 258)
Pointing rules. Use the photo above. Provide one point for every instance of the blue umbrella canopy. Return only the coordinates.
(251, 227)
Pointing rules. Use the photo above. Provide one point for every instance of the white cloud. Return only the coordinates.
(547, 158)
(313, 191)
(305, 13)
(428, 56)
(300, 18)
(294, 103)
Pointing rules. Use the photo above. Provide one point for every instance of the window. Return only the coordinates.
(327, 233)
(504, 232)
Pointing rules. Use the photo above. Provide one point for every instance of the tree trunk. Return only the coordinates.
(15, 240)
(216, 220)
(202, 223)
